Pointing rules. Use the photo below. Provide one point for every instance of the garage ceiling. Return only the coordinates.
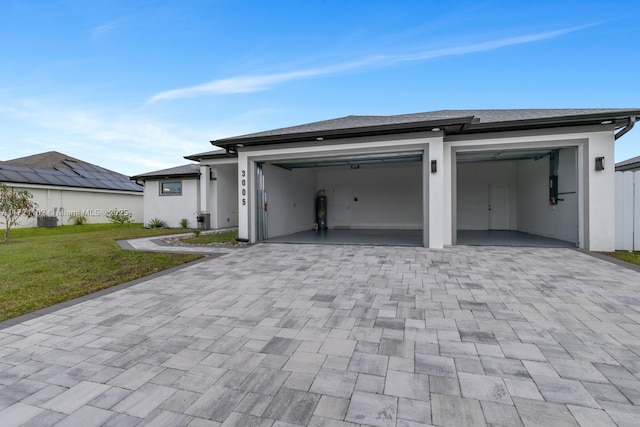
(497, 155)
(354, 161)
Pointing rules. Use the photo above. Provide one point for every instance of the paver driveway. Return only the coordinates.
(338, 336)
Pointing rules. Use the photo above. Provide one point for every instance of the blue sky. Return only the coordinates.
(134, 85)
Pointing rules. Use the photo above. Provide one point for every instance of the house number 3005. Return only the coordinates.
(244, 185)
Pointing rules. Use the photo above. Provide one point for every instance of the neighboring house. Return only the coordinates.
(64, 186)
(207, 189)
(632, 164)
(628, 204)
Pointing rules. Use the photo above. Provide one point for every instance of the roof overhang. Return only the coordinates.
(451, 126)
(448, 125)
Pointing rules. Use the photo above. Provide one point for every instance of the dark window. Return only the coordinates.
(173, 188)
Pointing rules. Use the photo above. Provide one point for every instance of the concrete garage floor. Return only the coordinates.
(378, 237)
(403, 237)
(508, 238)
(317, 335)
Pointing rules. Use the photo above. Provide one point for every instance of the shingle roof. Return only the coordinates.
(632, 163)
(455, 121)
(191, 169)
(215, 154)
(54, 168)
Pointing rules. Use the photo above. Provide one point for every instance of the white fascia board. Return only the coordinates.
(213, 162)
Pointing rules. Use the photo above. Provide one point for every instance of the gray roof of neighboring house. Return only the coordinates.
(632, 163)
(184, 171)
(215, 154)
(54, 168)
(451, 121)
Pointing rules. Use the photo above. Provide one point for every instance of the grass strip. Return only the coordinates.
(630, 257)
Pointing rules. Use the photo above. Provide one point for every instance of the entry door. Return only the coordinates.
(342, 206)
(498, 206)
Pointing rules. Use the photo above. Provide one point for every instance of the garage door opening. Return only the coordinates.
(517, 197)
(373, 199)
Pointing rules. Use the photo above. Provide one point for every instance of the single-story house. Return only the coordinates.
(434, 179)
(628, 204)
(205, 191)
(631, 165)
(64, 187)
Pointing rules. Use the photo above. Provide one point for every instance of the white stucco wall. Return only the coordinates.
(172, 208)
(226, 195)
(290, 200)
(600, 192)
(387, 196)
(65, 202)
(535, 215)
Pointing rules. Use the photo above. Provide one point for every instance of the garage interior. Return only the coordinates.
(374, 199)
(517, 197)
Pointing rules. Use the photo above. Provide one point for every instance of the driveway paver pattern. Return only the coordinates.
(309, 335)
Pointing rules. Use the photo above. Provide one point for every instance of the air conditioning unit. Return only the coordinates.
(47, 221)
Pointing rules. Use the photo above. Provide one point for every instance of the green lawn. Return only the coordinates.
(44, 266)
(228, 237)
(630, 257)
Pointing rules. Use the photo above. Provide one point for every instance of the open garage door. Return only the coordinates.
(370, 199)
(517, 197)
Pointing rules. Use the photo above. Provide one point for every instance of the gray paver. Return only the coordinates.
(405, 384)
(288, 335)
(372, 409)
(535, 413)
(334, 383)
(451, 411)
(292, 406)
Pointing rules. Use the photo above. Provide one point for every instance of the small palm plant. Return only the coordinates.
(79, 219)
(184, 223)
(156, 223)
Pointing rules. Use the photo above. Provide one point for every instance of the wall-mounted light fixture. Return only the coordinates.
(434, 166)
(599, 163)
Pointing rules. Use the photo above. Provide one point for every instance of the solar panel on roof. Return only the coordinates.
(16, 168)
(67, 172)
(110, 184)
(34, 178)
(92, 168)
(83, 182)
(13, 176)
(133, 186)
(85, 174)
(95, 183)
(52, 179)
(70, 182)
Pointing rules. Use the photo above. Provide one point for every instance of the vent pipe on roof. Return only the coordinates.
(627, 128)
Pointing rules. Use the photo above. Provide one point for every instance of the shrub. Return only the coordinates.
(156, 223)
(13, 205)
(120, 217)
(79, 219)
(197, 232)
(184, 223)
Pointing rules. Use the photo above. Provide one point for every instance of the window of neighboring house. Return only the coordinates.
(171, 188)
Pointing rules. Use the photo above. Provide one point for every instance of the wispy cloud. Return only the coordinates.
(126, 142)
(257, 83)
(104, 29)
